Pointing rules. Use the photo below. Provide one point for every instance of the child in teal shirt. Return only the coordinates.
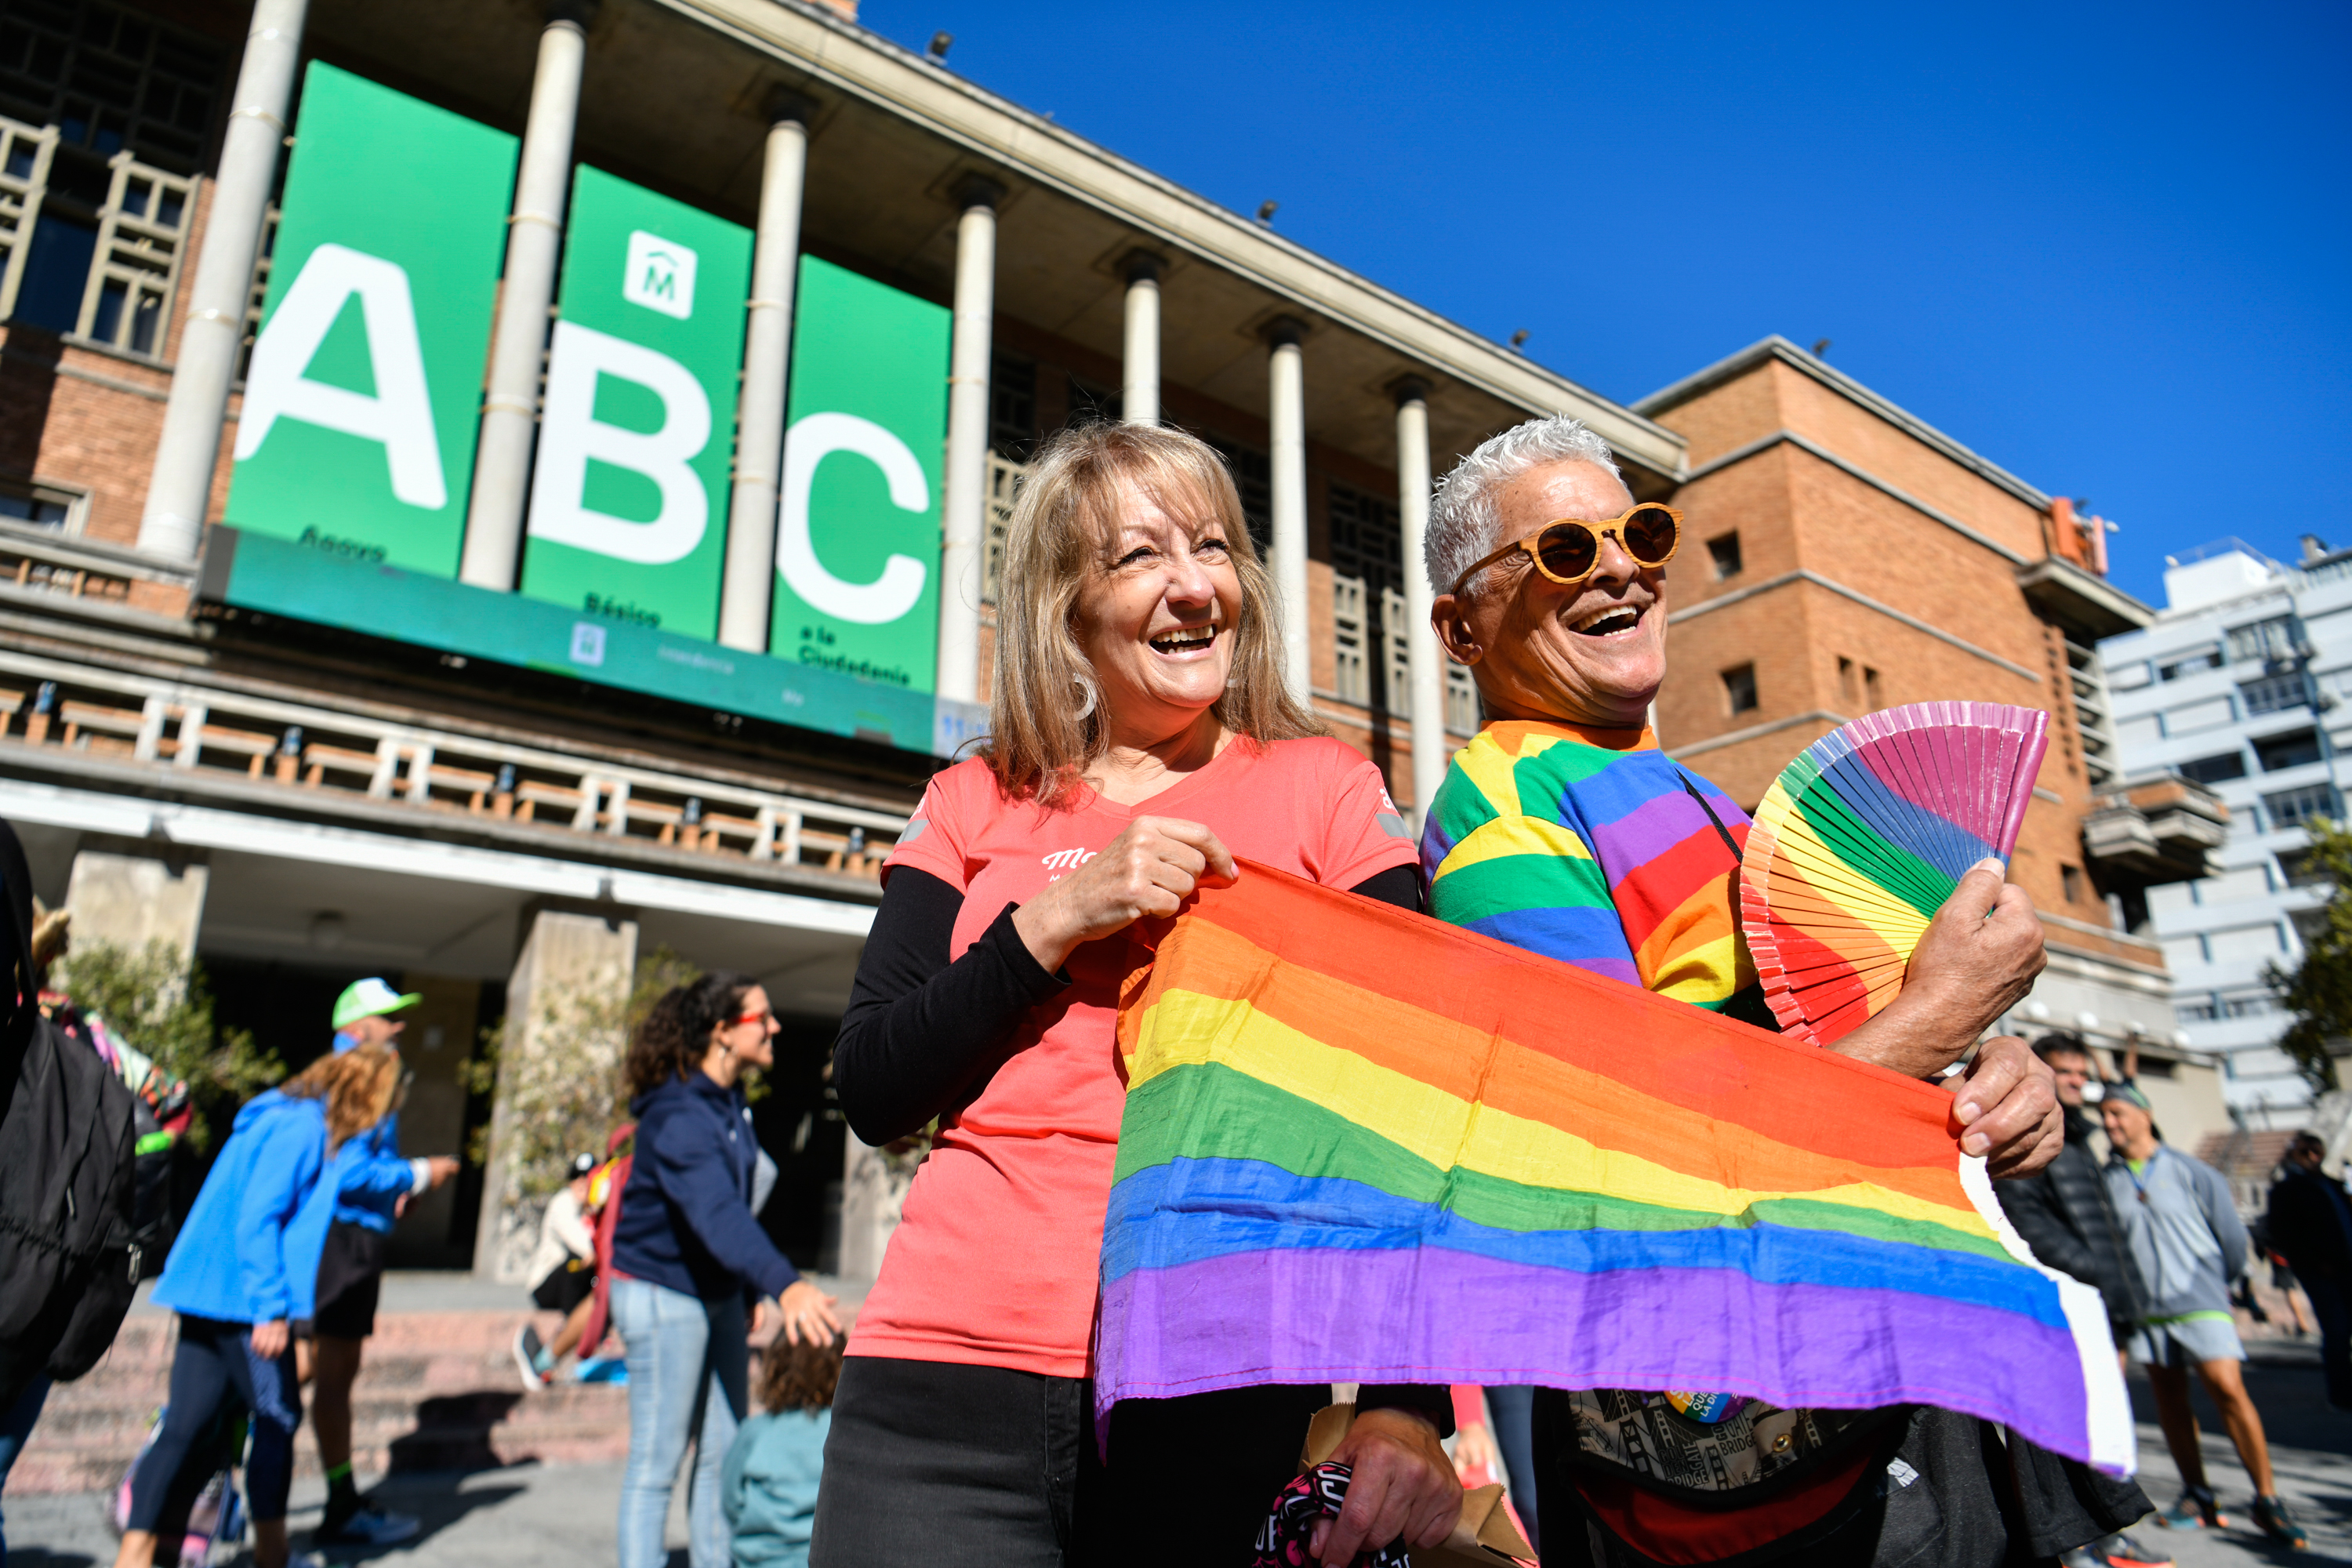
(769, 1483)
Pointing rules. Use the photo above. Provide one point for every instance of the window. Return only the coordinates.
(2202, 659)
(1350, 680)
(1872, 693)
(1367, 547)
(2272, 694)
(1725, 551)
(1739, 689)
(2290, 751)
(2294, 807)
(1461, 700)
(2199, 1012)
(1253, 477)
(1012, 405)
(2071, 878)
(1849, 687)
(2302, 868)
(39, 505)
(2273, 638)
(2214, 770)
(103, 119)
(2255, 1005)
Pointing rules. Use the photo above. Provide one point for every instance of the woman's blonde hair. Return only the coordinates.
(1046, 717)
(357, 1086)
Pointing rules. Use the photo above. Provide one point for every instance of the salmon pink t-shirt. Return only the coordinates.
(995, 1260)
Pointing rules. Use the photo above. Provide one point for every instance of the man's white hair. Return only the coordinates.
(1464, 516)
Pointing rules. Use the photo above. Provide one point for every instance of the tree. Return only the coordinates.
(569, 1093)
(2319, 991)
(156, 1000)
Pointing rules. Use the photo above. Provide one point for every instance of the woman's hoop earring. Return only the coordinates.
(1085, 689)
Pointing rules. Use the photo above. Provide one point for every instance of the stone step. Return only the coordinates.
(437, 1391)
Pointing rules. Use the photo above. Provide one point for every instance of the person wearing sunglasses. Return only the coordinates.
(688, 1253)
(1563, 828)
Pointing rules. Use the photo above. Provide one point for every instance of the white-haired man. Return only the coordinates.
(1564, 829)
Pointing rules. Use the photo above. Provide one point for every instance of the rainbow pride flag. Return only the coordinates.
(1362, 1146)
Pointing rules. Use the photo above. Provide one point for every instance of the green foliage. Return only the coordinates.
(567, 1093)
(156, 1000)
(2320, 992)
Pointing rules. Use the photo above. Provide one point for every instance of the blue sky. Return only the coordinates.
(2106, 247)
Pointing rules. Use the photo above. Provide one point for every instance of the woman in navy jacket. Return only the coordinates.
(688, 1257)
(246, 1266)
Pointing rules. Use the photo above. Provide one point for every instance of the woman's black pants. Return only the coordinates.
(932, 1463)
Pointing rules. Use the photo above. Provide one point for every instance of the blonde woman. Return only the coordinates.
(1143, 737)
(246, 1266)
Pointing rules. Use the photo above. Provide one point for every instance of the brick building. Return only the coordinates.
(1841, 556)
(310, 727)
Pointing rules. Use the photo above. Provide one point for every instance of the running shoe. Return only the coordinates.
(2272, 1520)
(370, 1526)
(527, 1347)
(2120, 1551)
(2197, 1510)
(2081, 1557)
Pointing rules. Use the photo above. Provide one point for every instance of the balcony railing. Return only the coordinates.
(2154, 829)
(325, 758)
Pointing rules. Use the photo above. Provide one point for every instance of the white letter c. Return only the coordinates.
(808, 443)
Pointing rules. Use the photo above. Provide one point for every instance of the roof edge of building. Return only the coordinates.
(1777, 347)
(1212, 232)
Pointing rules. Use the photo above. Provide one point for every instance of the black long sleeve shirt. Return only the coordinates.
(923, 1033)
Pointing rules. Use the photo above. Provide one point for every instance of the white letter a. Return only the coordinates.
(400, 415)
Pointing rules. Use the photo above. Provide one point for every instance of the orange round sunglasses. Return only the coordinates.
(1569, 551)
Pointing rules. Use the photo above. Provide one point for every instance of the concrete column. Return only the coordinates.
(874, 1186)
(133, 900)
(566, 1001)
(1139, 395)
(767, 361)
(534, 242)
(1428, 658)
(180, 486)
(1286, 423)
(963, 528)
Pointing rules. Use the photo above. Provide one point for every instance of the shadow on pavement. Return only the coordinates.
(435, 1498)
(34, 1557)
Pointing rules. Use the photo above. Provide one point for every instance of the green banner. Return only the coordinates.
(628, 499)
(324, 588)
(857, 527)
(357, 429)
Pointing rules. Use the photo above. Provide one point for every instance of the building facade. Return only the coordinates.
(491, 492)
(1841, 556)
(2236, 684)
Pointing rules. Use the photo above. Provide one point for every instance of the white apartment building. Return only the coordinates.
(2239, 685)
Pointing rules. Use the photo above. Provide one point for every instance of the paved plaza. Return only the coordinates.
(562, 1516)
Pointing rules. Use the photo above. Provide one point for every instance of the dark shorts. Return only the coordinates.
(566, 1287)
(350, 1272)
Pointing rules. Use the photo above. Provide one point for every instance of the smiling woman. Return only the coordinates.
(1143, 738)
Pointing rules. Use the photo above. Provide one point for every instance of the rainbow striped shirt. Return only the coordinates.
(1585, 845)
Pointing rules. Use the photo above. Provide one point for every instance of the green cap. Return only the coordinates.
(366, 998)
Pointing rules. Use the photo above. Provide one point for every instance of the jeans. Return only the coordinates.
(214, 1363)
(1512, 1409)
(15, 1428)
(689, 1378)
(2331, 1303)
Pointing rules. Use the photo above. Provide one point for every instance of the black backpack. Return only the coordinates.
(68, 1265)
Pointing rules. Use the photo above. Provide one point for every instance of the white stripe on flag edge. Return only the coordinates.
(2107, 1407)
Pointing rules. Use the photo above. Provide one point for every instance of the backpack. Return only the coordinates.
(611, 1179)
(67, 1180)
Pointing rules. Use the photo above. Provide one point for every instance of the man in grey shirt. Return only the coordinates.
(2188, 1242)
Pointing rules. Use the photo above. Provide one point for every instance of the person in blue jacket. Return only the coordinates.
(242, 1269)
(372, 1184)
(688, 1257)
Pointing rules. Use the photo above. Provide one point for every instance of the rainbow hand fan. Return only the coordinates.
(1864, 836)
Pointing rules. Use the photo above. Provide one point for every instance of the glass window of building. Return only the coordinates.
(1724, 549)
(2189, 664)
(1740, 689)
(1012, 405)
(1367, 587)
(2292, 751)
(2272, 694)
(2271, 638)
(2294, 807)
(2214, 770)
